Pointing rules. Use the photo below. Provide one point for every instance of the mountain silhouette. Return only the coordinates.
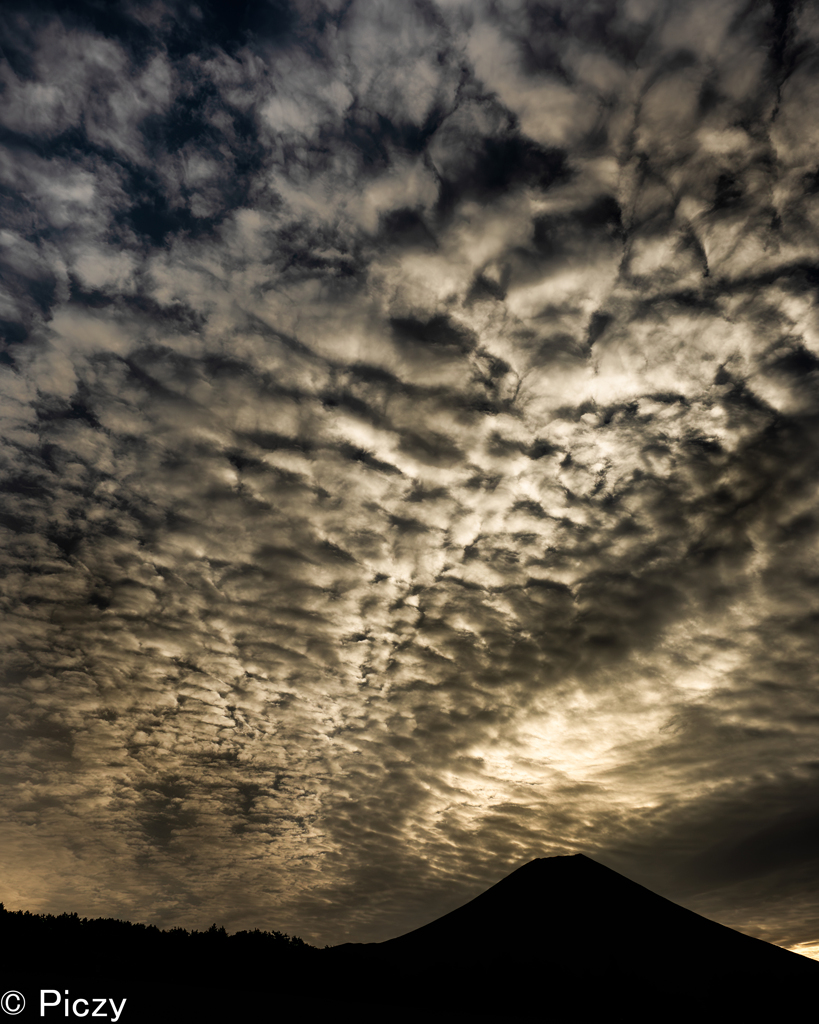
(570, 939)
(561, 939)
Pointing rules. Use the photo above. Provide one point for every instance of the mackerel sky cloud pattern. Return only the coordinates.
(410, 418)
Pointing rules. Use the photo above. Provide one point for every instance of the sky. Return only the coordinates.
(409, 457)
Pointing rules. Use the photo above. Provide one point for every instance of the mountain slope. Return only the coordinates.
(571, 904)
(568, 932)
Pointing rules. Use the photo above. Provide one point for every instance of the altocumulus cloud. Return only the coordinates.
(409, 456)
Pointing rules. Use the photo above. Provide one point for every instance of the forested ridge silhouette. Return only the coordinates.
(190, 976)
(111, 945)
(66, 924)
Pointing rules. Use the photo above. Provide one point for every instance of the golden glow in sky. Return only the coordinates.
(409, 417)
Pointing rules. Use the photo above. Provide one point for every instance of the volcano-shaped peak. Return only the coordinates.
(568, 939)
(544, 899)
(559, 908)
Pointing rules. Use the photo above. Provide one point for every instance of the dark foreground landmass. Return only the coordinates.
(560, 939)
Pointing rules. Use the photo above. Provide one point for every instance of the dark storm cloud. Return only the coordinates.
(408, 455)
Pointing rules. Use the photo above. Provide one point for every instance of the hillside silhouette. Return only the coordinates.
(108, 943)
(559, 939)
(174, 974)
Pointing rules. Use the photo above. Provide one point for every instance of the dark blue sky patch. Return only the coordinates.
(155, 216)
(439, 331)
(406, 229)
(499, 164)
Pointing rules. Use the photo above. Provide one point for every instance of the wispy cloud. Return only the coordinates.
(408, 451)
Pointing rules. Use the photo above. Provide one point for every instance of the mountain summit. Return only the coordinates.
(573, 906)
(569, 931)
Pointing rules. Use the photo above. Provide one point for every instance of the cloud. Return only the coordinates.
(407, 457)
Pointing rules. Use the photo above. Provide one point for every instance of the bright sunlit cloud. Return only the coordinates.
(407, 457)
